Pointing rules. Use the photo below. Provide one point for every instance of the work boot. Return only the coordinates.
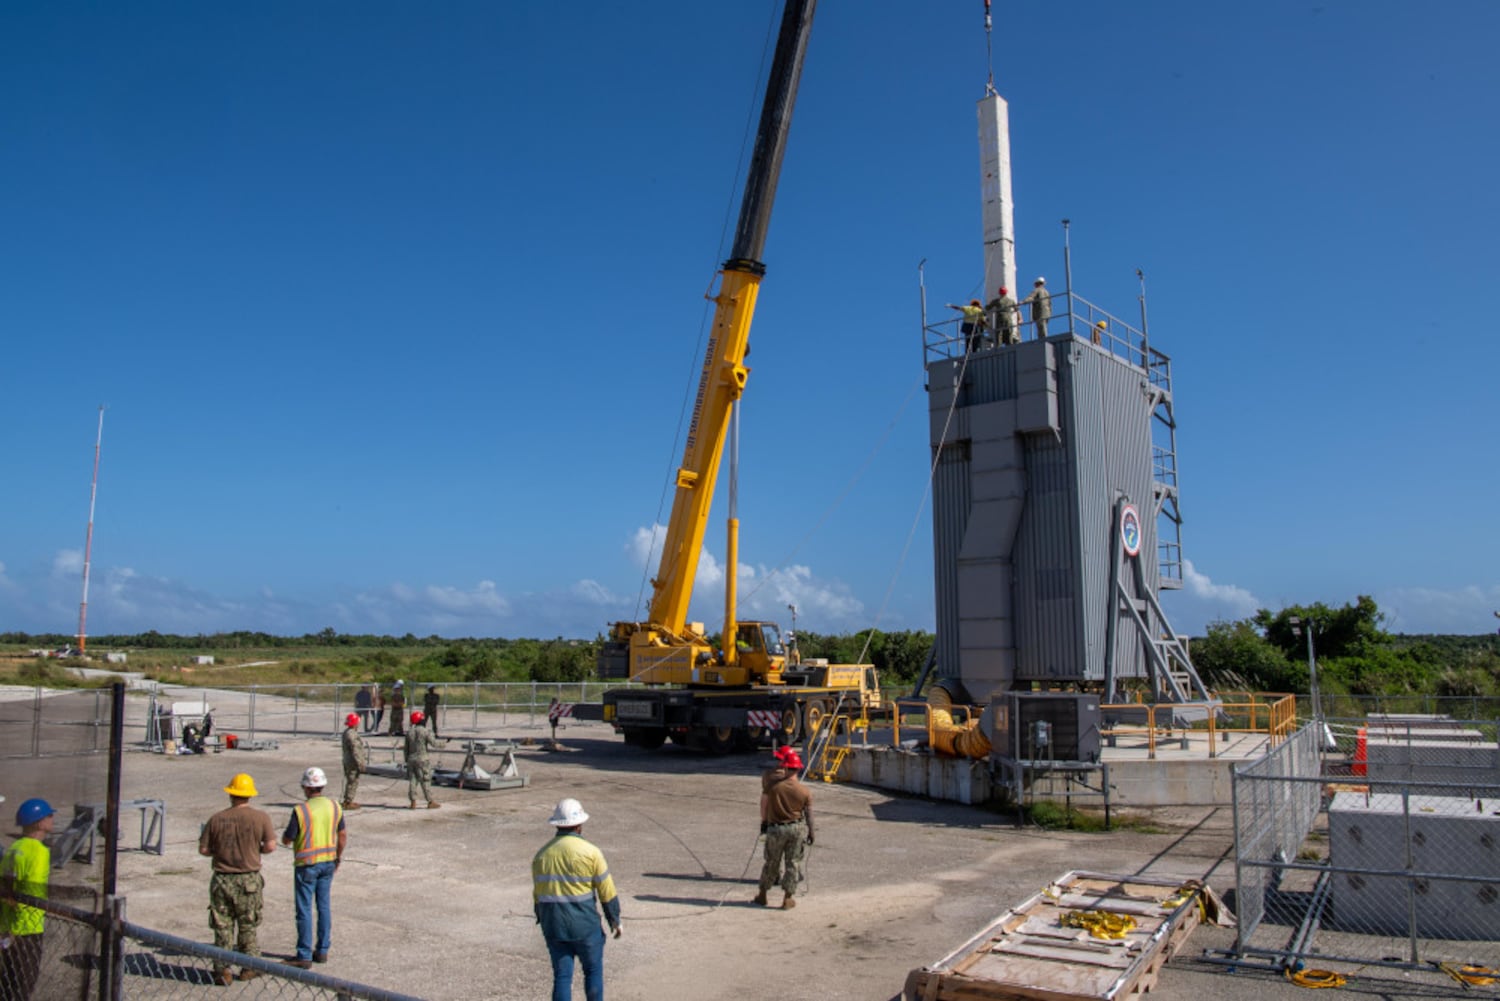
(320, 957)
(301, 964)
(223, 978)
(787, 903)
(760, 898)
(433, 804)
(413, 805)
(350, 805)
(248, 974)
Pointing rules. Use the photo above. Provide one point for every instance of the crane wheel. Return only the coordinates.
(814, 715)
(716, 739)
(790, 730)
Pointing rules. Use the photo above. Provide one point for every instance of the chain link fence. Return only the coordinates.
(83, 955)
(256, 712)
(1373, 841)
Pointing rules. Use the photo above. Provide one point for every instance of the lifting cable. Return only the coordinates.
(696, 359)
(849, 487)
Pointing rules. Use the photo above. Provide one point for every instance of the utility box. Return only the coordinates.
(1446, 834)
(1045, 726)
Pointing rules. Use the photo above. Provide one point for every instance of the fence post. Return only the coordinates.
(531, 709)
(1411, 882)
(296, 706)
(253, 689)
(111, 951)
(338, 708)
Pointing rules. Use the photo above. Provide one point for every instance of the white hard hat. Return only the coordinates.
(1040, 281)
(569, 813)
(314, 778)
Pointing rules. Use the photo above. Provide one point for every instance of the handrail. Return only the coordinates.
(1072, 315)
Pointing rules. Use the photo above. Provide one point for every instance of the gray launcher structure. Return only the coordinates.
(1053, 467)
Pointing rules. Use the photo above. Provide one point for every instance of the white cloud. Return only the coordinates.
(67, 561)
(1202, 601)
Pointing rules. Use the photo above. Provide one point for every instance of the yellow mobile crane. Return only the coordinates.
(735, 697)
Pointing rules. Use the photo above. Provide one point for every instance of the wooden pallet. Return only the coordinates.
(1027, 954)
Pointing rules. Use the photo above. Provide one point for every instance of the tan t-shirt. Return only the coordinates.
(234, 836)
(786, 798)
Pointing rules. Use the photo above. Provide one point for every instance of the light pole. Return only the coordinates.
(1312, 667)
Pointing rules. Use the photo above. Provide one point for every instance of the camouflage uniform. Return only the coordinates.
(419, 742)
(1002, 313)
(234, 901)
(786, 844)
(356, 760)
(1041, 309)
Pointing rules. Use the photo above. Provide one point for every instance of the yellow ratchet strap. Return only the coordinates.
(1100, 924)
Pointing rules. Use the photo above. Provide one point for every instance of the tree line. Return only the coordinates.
(1264, 652)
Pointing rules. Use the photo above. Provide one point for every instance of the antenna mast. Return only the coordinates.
(88, 540)
(989, 47)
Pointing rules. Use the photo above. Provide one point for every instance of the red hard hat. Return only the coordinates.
(417, 717)
(352, 719)
(1003, 290)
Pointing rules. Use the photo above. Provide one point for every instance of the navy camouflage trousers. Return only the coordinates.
(234, 901)
(785, 846)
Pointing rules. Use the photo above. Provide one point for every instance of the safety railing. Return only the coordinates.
(1072, 315)
(1272, 714)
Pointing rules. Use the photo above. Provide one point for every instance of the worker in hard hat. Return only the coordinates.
(420, 744)
(1003, 316)
(356, 759)
(23, 870)
(235, 838)
(971, 326)
(316, 833)
(787, 822)
(566, 876)
(398, 709)
(1041, 306)
(1099, 330)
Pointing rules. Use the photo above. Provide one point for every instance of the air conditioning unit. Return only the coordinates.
(1046, 726)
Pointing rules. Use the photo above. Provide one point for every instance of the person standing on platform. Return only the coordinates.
(1002, 313)
(235, 838)
(971, 326)
(1041, 307)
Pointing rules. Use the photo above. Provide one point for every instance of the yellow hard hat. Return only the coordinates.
(241, 785)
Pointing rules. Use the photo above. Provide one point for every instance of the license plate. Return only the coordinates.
(633, 710)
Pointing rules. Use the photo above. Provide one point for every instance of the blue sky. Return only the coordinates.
(393, 307)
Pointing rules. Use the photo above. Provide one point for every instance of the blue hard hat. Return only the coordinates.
(33, 810)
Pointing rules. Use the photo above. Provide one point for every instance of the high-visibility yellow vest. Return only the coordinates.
(317, 830)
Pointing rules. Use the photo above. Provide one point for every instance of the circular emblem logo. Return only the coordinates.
(1130, 530)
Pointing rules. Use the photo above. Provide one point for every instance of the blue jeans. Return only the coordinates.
(313, 883)
(590, 953)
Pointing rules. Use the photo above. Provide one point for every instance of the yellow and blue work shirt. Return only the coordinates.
(314, 830)
(25, 865)
(565, 877)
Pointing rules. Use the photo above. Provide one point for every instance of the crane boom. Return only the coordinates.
(664, 650)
